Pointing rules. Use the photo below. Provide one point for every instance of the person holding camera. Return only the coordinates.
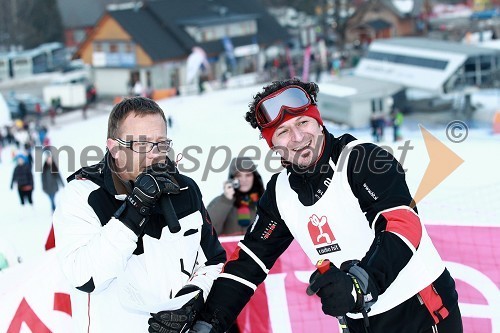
(117, 232)
(234, 210)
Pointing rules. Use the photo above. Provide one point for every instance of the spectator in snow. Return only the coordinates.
(23, 177)
(51, 180)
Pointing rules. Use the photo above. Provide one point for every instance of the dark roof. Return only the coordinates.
(158, 26)
(378, 24)
(148, 32)
(80, 14)
(216, 19)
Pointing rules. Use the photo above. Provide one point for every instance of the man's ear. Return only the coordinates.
(112, 146)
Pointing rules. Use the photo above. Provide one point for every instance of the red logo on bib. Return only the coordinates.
(319, 230)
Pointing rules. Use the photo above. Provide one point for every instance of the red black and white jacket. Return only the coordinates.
(353, 204)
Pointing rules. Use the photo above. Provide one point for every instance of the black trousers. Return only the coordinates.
(408, 317)
(25, 194)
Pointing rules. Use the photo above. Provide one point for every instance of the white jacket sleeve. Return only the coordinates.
(211, 258)
(89, 252)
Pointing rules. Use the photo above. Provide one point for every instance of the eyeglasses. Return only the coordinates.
(269, 110)
(146, 146)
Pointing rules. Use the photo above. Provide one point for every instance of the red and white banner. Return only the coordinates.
(34, 296)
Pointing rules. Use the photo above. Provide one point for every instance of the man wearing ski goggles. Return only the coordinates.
(356, 222)
(282, 105)
(300, 140)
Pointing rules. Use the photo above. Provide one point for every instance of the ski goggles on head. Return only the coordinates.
(270, 109)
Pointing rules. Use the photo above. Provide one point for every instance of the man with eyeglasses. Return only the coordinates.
(347, 204)
(132, 234)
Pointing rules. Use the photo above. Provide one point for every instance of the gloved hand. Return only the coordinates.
(336, 290)
(180, 320)
(202, 327)
(148, 188)
(342, 291)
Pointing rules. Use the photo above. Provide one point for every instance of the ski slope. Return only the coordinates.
(210, 129)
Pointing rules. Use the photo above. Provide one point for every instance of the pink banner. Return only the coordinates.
(469, 255)
(36, 294)
(472, 256)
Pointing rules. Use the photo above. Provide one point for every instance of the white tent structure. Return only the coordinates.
(432, 65)
(351, 100)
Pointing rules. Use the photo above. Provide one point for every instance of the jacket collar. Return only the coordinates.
(99, 173)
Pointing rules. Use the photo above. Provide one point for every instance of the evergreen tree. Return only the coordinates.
(29, 23)
(43, 23)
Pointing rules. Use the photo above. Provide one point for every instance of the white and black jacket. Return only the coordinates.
(112, 269)
(361, 190)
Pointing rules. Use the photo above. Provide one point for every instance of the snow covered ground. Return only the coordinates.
(210, 129)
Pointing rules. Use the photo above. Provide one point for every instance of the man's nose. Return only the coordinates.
(297, 134)
(154, 152)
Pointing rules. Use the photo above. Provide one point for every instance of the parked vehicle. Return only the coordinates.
(72, 90)
(70, 95)
(30, 103)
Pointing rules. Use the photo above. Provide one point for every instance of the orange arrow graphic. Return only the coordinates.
(442, 163)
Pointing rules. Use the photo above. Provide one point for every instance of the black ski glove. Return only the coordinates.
(180, 320)
(138, 206)
(342, 292)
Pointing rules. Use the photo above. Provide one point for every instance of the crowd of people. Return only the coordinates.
(18, 143)
(134, 220)
(22, 138)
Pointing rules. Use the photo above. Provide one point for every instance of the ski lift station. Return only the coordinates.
(392, 68)
(351, 100)
(432, 65)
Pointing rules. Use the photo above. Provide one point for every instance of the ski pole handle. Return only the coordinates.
(323, 265)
